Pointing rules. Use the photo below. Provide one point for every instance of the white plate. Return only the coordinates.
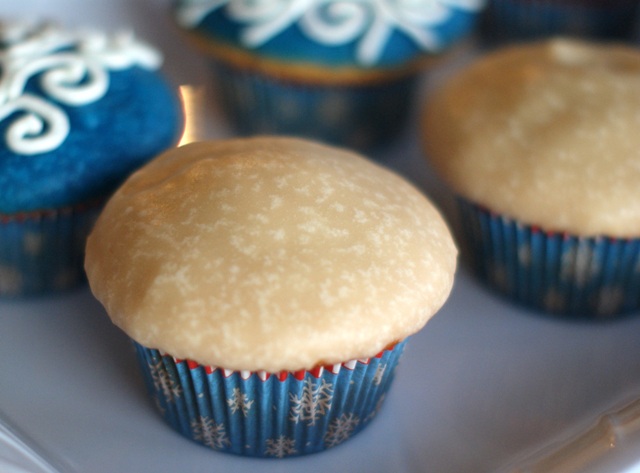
(484, 387)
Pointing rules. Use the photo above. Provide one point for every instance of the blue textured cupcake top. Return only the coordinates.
(336, 33)
(78, 113)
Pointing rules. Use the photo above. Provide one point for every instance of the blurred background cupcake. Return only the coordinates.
(530, 19)
(539, 143)
(342, 71)
(78, 112)
(270, 286)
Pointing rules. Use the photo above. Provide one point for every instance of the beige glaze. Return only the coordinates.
(269, 254)
(547, 133)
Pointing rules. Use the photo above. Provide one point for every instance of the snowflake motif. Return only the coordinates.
(213, 435)
(609, 300)
(65, 278)
(524, 255)
(314, 403)
(340, 429)
(378, 376)
(554, 301)
(578, 265)
(163, 382)
(280, 447)
(10, 280)
(291, 109)
(33, 243)
(333, 108)
(239, 402)
(498, 274)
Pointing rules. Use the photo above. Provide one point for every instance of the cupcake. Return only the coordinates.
(78, 112)
(539, 143)
(269, 286)
(340, 71)
(530, 19)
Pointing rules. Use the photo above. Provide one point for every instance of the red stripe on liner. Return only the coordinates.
(283, 375)
(37, 215)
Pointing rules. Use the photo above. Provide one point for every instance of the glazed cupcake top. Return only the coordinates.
(546, 133)
(78, 112)
(269, 254)
(334, 33)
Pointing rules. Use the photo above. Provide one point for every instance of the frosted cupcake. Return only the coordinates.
(78, 112)
(540, 143)
(270, 286)
(341, 71)
(530, 19)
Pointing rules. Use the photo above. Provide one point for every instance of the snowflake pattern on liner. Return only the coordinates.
(10, 280)
(267, 415)
(379, 375)
(239, 402)
(314, 402)
(556, 272)
(335, 22)
(340, 429)
(209, 433)
(164, 382)
(280, 447)
(579, 265)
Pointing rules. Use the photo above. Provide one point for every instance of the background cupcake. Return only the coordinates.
(270, 285)
(78, 112)
(530, 19)
(539, 142)
(342, 71)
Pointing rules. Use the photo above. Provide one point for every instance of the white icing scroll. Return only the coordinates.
(334, 22)
(73, 70)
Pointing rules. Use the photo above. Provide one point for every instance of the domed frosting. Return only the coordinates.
(269, 254)
(546, 133)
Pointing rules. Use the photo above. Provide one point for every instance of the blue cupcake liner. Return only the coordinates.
(531, 19)
(43, 252)
(268, 415)
(363, 117)
(558, 273)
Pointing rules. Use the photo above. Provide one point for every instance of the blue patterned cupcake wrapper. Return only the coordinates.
(588, 277)
(529, 19)
(43, 252)
(268, 415)
(362, 117)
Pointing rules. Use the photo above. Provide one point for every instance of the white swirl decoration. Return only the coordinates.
(335, 22)
(73, 70)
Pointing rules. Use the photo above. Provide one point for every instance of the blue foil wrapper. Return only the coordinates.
(43, 252)
(363, 117)
(531, 19)
(558, 273)
(264, 414)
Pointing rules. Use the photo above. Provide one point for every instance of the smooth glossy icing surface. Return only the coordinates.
(72, 108)
(269, 254)
(545, 133)
(339, 32)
